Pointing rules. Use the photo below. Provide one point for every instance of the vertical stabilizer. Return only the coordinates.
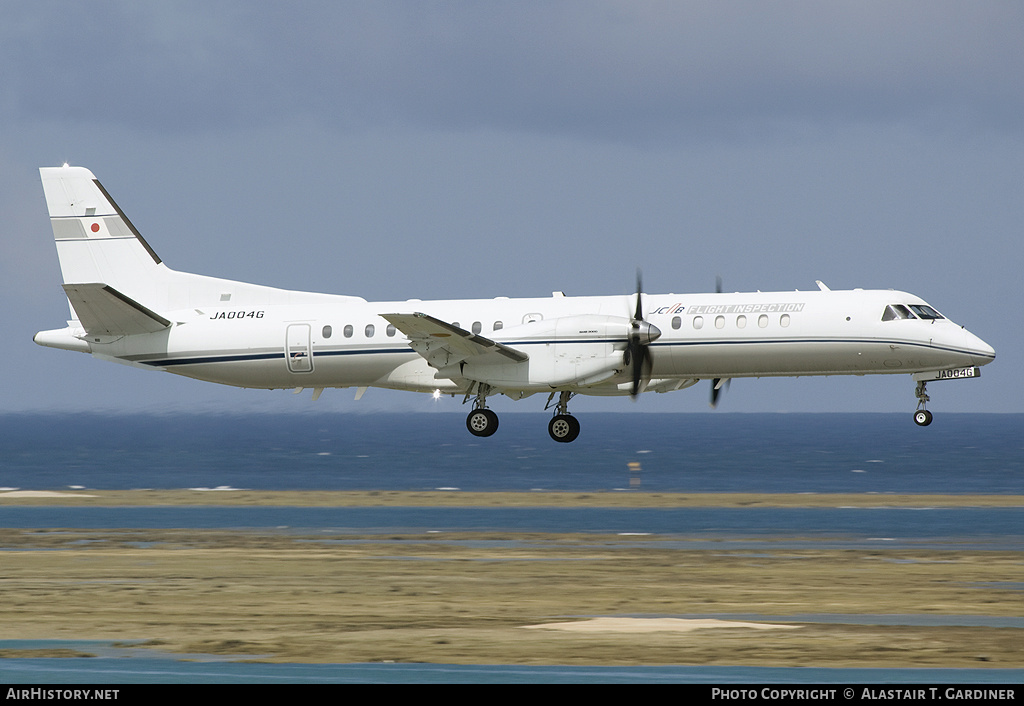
(98, 246)
(96, 243)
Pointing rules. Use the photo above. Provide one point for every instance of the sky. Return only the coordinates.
(396, 150)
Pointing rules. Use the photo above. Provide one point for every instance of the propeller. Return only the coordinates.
(641, 335)
(717, 386)
(718, 383)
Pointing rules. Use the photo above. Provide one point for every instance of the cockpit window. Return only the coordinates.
(925, 311)
(897, 311)
(912, 311)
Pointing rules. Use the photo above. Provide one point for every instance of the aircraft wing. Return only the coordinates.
(442, 343)
(104, 311)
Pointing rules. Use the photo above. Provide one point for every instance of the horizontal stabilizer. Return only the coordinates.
(104, 311)
(437, 334)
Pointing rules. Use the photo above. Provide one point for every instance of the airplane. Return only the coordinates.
(128, 307)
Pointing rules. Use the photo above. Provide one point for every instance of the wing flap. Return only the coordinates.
(442, 343)
(104, 311)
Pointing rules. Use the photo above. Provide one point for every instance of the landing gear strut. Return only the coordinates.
(563, 427)
(481, 421)
(922, 417)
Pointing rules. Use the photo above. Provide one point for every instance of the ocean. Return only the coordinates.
(761, 453)
(688, 453)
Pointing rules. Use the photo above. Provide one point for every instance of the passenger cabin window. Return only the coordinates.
(477, 327)
(390, 330)
(498, 326)
(327, 331)
(347, 330)
(677, 321)
(369, 330)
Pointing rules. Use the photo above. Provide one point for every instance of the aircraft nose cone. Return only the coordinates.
(981, 352)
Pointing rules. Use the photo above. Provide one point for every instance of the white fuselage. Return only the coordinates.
(346, 343)
(128, 306)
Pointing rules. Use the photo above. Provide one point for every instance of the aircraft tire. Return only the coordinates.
(564, 428)
(922, 417)
(482, 422)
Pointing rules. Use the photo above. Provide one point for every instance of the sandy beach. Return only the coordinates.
(501, 597)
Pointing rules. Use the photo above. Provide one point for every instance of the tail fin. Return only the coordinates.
(96, 243)
(115, 282)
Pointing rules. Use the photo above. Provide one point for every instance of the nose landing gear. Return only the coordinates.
(922, 417)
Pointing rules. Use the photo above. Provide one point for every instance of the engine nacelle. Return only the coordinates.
(569, 351)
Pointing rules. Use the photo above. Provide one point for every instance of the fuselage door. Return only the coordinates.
(298, 351)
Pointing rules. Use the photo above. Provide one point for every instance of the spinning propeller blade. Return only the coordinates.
(641, 335)
(718, 383)
(717, 386)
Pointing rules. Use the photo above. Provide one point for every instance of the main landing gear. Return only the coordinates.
(481, 421)
(922, 417)
(563, 427)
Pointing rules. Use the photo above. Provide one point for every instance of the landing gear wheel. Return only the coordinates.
(482, 422)
(564, 428)
(922, 417)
